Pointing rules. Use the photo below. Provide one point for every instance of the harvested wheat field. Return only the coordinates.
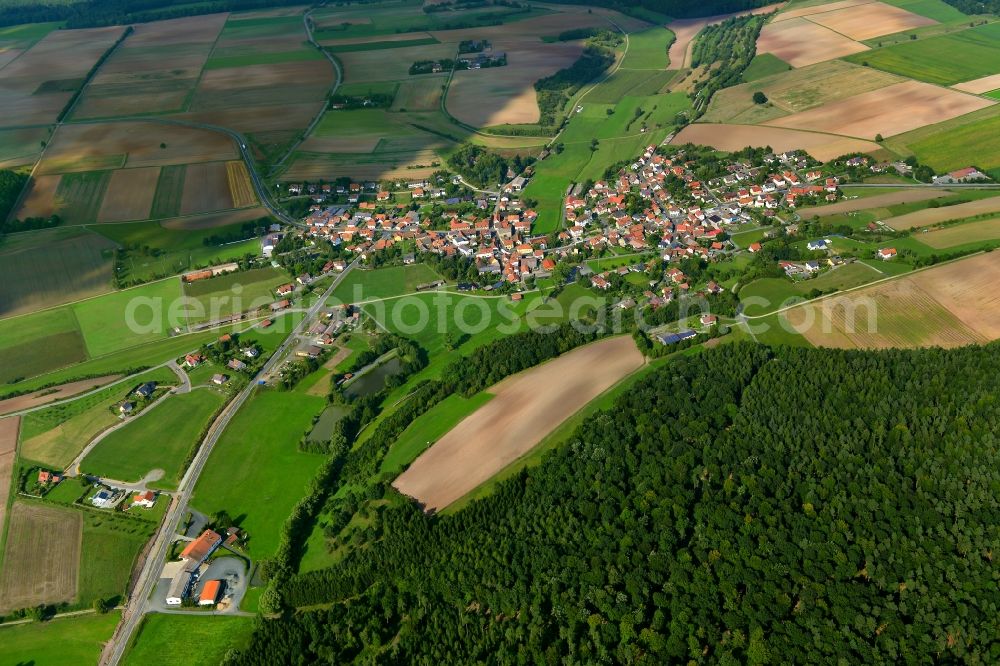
(206, 188)
(878, 201)
(947, 306)
(9, 428)
(255, 119)
(800, 42)
(960, 234)
(187, 30)
(129, 195)
(932, 216)
(889, 111)
(736, 137)
(341, 144)
(527, 407)
(819, 8)
(240, 187)
(214, 220)
(871, 20)
(139, 142)
(506, 95)
(980, 86)
(419, 95)
(685, 30)
(42, 558)
(45, 396)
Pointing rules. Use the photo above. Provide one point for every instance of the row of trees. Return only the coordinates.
(727, 49)
(743, 505)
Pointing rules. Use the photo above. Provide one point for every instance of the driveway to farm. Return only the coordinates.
(149, 573)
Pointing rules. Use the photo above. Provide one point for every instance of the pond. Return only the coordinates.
(323, 429)
(373, 379)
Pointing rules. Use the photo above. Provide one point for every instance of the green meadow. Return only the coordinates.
(161, 635)
(71, 640)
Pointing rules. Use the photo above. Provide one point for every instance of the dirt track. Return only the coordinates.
(527, 407)
(45, 396)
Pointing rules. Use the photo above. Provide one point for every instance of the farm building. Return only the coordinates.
(210, 593)
(673, 338)
(193, 555)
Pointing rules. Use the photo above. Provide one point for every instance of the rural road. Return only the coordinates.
(150, 571)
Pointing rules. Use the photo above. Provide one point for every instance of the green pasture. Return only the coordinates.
(332, 23)
(235, 292)
(932, 9)
(945, 59)
(111, 545)
(777, 291)
(161, 439)
(954, 145)
(40, 342)
(273, 58)
(256, 472)
(161, 635)
(127, 318)
(381, 46)
(69, 640)
(764, 64)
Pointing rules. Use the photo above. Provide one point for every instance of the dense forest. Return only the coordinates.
(743, 505)
(91, 13)
(976, 6)
(554, 91)
(11, 184)
(484, 168)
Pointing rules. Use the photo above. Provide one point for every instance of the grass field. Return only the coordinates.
(104, 321)
(945, 60)
(256, 472)
(56, 435)
(383, 283)
(162, 634)
(161, 439)
(956, 235)
(111, 545)
(932, 9)
(235, 292)
(39, 343)
(949, 145)
(764, 64)
(776, 292)
(71, 640)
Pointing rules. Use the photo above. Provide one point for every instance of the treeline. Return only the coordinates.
(726, 49)
(484, 168)
(674, 8)
(976, 6)
(11, 184)
(369, 101)
(738, 506)
(93, 13)
(553, 92)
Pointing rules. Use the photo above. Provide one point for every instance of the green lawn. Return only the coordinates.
(945, 59)
(203, 640)
(71, 640)
(364, 285)
(256, 471)
(127, 318)
(161, 439)
(764, 64)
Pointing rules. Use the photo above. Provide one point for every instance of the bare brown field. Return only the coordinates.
(9, 429)
(960, 234)
(310, 72)
(931, 216)
(42, 558)
(800, 42)
(21, 146)
(93, 107)
(506, 95)
(736, 137)
(980, 86)
(240, 188)
(270, 13)
(213, 220)
(526, 408)
(946, 306)
(129, 195)
(686, 29)
(187, 30)
(878, 201)
(206, 188)
(889, 111)
(797, 12)
(870, 20)
(140, 141)
(61, 58)
(257, 118)
(45, 396)
(41, 199)
(9, 53)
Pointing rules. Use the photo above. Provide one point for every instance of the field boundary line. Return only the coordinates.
(186, 105)
(861, 286)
